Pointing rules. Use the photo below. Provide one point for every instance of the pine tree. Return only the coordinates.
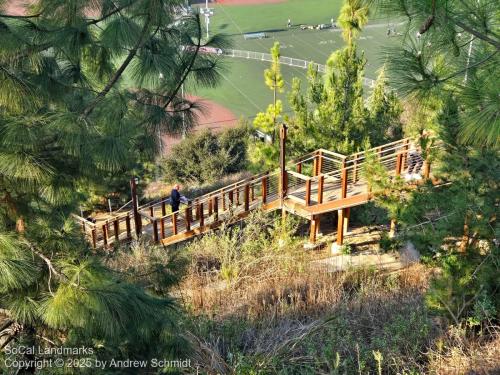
(384, 113)
(82, 99)
(274, 80)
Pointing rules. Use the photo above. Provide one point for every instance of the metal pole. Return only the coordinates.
(283, 134)
(135, 206)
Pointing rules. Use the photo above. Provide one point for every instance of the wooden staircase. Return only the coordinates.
(319, 182)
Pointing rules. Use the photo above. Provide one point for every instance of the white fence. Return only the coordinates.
(299, 63)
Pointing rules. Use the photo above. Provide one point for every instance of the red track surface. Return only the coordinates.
(248, 2)
(214, 117)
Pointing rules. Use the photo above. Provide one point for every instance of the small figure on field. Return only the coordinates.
(289, 24)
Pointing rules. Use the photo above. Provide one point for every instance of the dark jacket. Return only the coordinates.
(175, 199)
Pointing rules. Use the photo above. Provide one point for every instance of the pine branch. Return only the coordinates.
(140, 43)
(476, 33)
(114, 11)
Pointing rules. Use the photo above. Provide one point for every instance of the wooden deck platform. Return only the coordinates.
(317, 183)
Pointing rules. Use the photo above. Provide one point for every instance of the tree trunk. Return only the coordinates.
(466, 233)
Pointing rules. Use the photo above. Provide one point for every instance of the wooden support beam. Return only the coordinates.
(210, 206)
(247, 197)
(201, 216)
(308, 192)
(252, 192)
(299, 167)
(340, 227)
(197, 209)
(315, 165)
(152, 211)
(174, 223)
(116, 228)
(163, 208)
(321, 183)
(347, 215)
(231, 197)
(313, 230)
(223, 201)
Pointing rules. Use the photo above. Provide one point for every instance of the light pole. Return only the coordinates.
(207, 12)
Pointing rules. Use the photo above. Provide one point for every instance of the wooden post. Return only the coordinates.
(188, 218)
(210, 206)
(162, 228)
(223, 201)
(252, 192)
(216, 208)
(105, 235)
(427, 169)
(116, 227)
(406, 145)
(201, 217)
(155, 230)
(399, 163)
(340, 227)
(94, 237)
(313, 230)
(308, 192)
(283, 174)
(343, 182)
(152, 211)
(355, 171)
(347, 215)
(299, 167)
(247, 198)
(315, 165)
(264, 189)
(127, 224)
(174, 223)
(237, 193)
(135, 206)
(320, 163)
(163, 208)
(321, 182)
(197, 209)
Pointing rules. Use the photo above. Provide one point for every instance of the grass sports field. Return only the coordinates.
(242, 89)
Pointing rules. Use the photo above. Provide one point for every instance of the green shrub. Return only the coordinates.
(207, 157)
(389, 244)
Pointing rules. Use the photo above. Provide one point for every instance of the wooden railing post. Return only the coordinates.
(321, 182)
(247, 198)
(252, 192)
(127, 225)
(188, 218)
(315, 165)
(116, 227)
(162, 228)
(210, 206)
(264, 189)
(197, 209)
(399, 163)
(355, 171)
(163, 208)
(155, 230)
(344, 181)
(152, 211)
(201, 217)
(94, 237)
(174, 223)
(223, 201)
(237, 191)
(216, 208)
(231, 197)
(105, 234)
(299, 167)
(308, 192)
(320, 163)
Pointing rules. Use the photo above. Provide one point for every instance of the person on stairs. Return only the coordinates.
(415, 162)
